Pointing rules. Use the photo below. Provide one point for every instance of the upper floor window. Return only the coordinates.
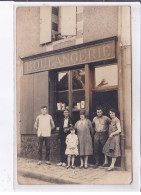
(57, 23)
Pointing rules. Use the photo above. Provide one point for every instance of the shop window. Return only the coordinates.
(78, 79)
(78, 100)
(57, 23)
(62, 81)
(70, 90)
(78, 89)
(106, 76)
(62, 100)
(61, 91)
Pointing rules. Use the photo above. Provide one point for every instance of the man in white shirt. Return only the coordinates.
(44, 124)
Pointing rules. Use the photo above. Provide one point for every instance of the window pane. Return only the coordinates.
(78, 99)
(61, 100)
(62, 81)
(106, 76)
(78, 79)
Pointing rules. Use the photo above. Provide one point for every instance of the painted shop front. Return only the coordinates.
(79, 77)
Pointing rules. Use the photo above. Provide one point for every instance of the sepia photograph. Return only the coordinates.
(74, 95)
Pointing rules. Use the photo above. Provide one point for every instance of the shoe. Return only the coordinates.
(86, 166)
(39, 163)
(67, 167)
(63, 164)
(59, 164)
(110, 168)
(81, 166)
(73, 167)
(48, 163)
(96, 165)
(105, 165)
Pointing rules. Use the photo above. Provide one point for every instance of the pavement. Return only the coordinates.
(30, 173)
(31, 181)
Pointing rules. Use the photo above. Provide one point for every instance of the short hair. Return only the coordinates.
(82, 112)
(113, 110)
(71, 125)
(43, 107)
(66, 110)
(99, 108)
(71, 128)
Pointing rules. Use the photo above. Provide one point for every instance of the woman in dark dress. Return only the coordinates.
(84, 132)
(112, 145)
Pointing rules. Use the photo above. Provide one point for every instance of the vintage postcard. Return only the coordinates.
(73, 89)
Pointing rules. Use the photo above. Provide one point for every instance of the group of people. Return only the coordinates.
(84, 138)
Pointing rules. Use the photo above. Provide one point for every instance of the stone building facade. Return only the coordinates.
(101, 39)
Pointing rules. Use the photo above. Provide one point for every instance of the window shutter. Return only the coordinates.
(26, 105)
(68, 20)
(34, 94)
(54, 22)
(45, 24)
(41, 92)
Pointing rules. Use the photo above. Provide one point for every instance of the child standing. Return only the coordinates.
(71, 150)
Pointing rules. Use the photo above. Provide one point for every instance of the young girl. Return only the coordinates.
(71, 150)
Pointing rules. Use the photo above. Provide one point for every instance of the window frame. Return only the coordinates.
(70, 90)
(106, 88)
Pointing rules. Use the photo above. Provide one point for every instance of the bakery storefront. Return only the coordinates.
(80, 77)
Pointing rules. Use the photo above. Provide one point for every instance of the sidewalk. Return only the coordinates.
(60, 175)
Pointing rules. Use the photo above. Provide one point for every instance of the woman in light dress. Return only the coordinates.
(84, 132)
(112, 145)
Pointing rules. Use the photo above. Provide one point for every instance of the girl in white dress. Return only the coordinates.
(72, 149)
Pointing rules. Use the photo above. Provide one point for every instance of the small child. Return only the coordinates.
(71, 150)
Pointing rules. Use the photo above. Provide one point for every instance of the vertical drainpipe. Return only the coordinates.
(19, 74)
(121, 86)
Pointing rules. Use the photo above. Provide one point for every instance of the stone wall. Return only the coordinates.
(99, 22)
(29, 147)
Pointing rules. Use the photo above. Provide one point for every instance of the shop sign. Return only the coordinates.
(89, 54)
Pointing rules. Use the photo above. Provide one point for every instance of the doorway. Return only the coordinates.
(104, 99)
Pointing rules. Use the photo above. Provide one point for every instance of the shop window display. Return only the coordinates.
(70, 91)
